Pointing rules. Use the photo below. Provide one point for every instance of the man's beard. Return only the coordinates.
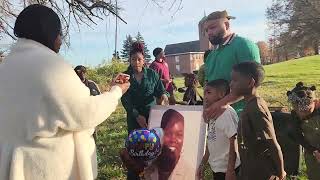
(217, 39)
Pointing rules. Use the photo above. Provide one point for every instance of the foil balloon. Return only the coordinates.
(144, 144)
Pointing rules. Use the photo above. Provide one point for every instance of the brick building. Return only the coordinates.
(187, 57)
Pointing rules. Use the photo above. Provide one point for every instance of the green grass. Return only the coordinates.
(283, 76)
(279, 78)
(111, 135)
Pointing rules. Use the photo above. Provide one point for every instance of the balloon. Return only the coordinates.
(160, 133)
(144, 144)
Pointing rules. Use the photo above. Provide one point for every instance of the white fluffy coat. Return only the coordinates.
(47, 117)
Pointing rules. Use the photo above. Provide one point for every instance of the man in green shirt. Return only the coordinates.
(229, 50)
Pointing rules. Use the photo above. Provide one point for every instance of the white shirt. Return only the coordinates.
(219, 133)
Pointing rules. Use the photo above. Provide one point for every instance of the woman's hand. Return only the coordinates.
(163, 100)
(142, 121)
(122, 78)
(122, 81)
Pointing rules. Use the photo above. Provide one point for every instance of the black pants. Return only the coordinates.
(132, 176)
(222, 176)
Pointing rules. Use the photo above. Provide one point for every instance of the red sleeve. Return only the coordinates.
(154, 67)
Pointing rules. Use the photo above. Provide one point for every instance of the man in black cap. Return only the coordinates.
(81, 72)
(229, 50)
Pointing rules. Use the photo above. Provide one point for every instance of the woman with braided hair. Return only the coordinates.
(305, 126)
(146, 87)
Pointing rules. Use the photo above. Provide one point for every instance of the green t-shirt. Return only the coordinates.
(201, 76)
(219, 63)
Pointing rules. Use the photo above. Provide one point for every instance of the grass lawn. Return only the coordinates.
(279, 78)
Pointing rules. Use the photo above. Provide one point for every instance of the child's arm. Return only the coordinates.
(230, 129)
(203, 163)
(262, 124)
(231, 174)
(277, 157)
(206, 156)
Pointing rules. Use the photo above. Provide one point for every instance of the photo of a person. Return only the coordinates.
(177, 158)
(172, 124)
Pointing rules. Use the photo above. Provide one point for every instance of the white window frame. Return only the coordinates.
(178, 67)
(177, 59)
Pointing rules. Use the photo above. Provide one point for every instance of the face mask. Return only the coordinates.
(303, 104)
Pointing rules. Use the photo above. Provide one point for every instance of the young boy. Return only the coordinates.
(260, 153)
(221, 149)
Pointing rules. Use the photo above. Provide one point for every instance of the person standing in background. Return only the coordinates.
(162, 68)
(93, 87)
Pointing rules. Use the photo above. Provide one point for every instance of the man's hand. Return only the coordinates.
(231, 175)
(200, 171)
(142, 121)
(214, 111)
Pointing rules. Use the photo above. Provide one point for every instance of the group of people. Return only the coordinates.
(241, 142)
(49, 112)
(48, 116)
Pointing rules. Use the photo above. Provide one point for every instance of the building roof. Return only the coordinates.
(184, 53)
(179, 48)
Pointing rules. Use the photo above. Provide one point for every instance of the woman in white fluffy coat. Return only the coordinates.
(47, 116)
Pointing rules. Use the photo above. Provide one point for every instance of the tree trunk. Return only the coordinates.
(316, 47)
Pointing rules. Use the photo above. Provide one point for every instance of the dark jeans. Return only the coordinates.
(222, 176)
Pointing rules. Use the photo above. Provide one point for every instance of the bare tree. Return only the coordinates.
(78, 11)
(264, 52)
(298, 20)
(70, 11)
